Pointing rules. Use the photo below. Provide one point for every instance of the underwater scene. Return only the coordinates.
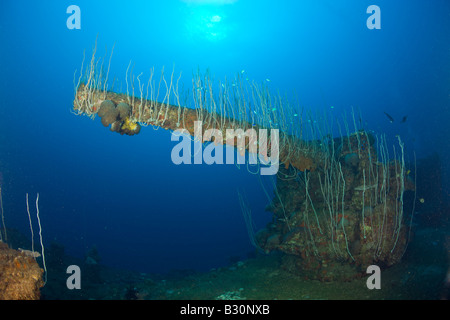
(225, 150)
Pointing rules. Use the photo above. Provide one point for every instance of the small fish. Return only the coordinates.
(404, 119)
(268, 80)
(389, 117)
(242, 71)
(29, 253)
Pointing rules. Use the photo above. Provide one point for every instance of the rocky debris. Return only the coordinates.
(20, 275)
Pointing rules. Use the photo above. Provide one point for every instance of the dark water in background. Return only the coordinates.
(123, 194)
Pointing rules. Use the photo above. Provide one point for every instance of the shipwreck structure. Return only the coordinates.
(338, 205)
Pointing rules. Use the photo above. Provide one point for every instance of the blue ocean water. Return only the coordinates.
(123, 194)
